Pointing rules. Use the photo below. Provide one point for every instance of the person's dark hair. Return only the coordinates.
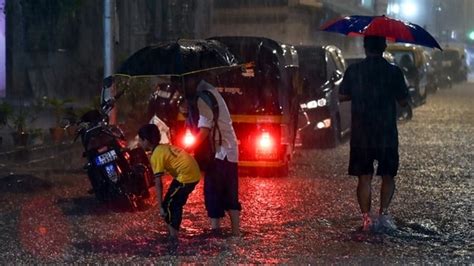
(375, 44)
(151, 133)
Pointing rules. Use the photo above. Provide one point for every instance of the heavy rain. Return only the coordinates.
(78, 183)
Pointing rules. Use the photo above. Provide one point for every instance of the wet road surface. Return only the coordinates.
(310, 217)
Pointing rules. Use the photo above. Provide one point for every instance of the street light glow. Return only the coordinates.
(394, 9)
(409, 9)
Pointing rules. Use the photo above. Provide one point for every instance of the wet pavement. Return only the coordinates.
(310, 217)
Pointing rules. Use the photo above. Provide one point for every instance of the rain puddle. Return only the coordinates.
(424, 230)
(412, 230)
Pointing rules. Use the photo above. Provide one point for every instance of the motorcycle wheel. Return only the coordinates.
(99, 188)
(143, 202)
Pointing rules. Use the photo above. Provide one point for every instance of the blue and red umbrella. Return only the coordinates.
(392, 29)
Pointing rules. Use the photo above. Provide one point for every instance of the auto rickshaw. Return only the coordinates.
(257, 86)
(263, 102)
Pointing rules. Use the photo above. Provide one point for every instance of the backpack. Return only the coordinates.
(205, 152)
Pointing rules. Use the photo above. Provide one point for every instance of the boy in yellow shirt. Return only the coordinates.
(180, 165)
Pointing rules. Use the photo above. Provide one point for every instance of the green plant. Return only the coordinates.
(59, 108)
(22, 117)
(19, 120)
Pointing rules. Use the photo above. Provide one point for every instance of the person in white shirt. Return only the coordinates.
(221, 178)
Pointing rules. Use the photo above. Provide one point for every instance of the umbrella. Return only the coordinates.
(178, 58)
(153, 78)
(392, 29)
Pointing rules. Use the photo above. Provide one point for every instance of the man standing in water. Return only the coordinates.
(374, 86)
(221, 182)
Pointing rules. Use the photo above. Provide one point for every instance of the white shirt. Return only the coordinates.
(162, 127)
(229, 145)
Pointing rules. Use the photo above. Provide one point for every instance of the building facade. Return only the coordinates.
(54, 48)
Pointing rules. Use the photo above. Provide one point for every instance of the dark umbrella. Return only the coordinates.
(153, 78)
(178, 58)
(392, 29)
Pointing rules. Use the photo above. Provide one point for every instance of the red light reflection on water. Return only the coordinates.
(43, 230)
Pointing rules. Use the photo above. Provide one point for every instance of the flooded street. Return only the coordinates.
(311, 216)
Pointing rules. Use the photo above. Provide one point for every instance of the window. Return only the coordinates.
(338, 61)
(331, 67)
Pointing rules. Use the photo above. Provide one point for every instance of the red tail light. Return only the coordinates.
(122, 143)
(265, 142)
(189, 139)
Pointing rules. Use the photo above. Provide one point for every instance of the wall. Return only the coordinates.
(53, 53)
(3, 62)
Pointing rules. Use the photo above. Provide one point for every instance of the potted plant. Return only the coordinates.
(19, 120)
(59, 110)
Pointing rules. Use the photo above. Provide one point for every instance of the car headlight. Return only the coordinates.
(314, 104)
(322, 102)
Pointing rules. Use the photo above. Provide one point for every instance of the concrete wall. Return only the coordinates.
(54, 57)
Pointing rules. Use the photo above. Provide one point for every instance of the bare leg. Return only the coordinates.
(364, 193)
(215, 223)
(173, 232)
(386, 192)
(235, 221)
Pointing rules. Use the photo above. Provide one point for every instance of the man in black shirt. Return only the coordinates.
(374, 86)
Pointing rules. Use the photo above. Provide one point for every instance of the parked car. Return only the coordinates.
(433, 83)
(327, 120)
(444, 78)
(411, 59)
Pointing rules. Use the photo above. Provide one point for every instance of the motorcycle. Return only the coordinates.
(117, 174)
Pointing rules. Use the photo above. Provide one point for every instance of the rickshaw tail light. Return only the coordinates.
(265, 141)
(189, 139)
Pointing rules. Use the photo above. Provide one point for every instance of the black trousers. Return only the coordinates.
(174, 200)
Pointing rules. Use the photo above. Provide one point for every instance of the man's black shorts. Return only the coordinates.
(174, 200)
(221, 188)
(362, 161)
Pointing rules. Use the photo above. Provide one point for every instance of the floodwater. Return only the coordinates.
(309, 217)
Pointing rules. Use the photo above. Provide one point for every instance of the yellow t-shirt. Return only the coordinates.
(175, 161)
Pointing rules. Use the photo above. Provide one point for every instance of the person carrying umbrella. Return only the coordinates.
(374, 86)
